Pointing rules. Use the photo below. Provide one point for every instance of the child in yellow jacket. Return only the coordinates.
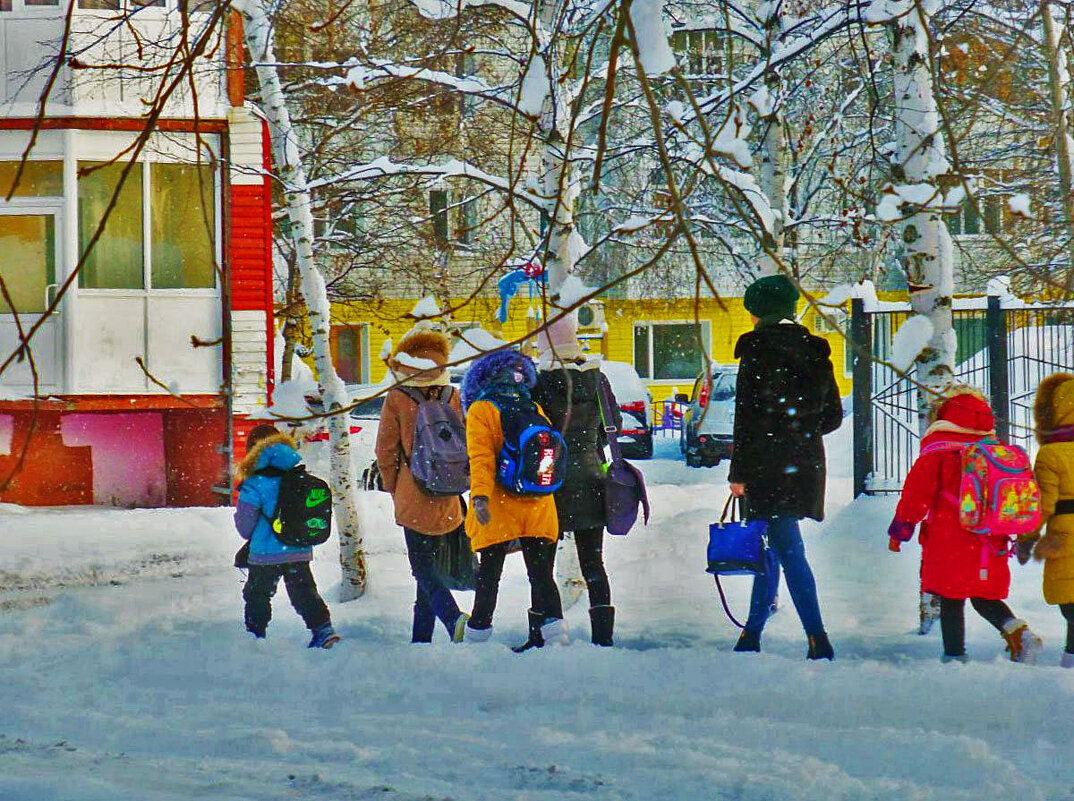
(1053, 413)
(498, 380)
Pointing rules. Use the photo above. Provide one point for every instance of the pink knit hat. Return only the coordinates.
(560, 340)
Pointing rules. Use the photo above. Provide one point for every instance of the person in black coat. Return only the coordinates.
(786, 400)
(567, 389)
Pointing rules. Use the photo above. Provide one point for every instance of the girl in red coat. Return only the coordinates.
(957, 564)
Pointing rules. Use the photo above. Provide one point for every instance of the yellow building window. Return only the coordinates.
(671, 351)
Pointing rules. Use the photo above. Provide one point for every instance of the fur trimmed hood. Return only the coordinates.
(249, 462)
(429, 346)
(1053, 406)
(965, 406)
(483, 373)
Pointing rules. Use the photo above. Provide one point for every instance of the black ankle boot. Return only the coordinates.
(749, 641)
(820, 647)
(536, 639)
(602, 621)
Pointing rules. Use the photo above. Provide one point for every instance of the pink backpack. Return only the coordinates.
(997, 496)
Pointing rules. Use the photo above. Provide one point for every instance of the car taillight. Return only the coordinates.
(637, 406)
(703, 439)
(703, 394)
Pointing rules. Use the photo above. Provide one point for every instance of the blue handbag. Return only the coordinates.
(737, 547)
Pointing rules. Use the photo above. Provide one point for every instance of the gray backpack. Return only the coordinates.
(438, 459)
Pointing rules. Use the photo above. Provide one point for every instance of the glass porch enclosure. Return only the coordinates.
(148, 288)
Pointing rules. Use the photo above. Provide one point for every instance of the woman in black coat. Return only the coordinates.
(786, 400)
(567, 389)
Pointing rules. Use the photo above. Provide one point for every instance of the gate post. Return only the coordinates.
(998, 386)
(861, 342)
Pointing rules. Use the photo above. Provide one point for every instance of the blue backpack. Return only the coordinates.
(533, 460)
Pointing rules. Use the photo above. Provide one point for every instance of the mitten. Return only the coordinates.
(900, 530)
(1023, 549)
(894, 545)
(1048, 547)
(481, 509)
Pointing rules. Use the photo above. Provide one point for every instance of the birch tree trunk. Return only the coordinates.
(1057, 71)
(289, 320)
(560, 190)
(556, 171)
(773, 171)
(920, 158)
(259, 35)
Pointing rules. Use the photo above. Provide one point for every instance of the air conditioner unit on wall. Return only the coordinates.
(591, 316)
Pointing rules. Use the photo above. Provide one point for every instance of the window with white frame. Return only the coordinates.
(175, 201)
(672, 351)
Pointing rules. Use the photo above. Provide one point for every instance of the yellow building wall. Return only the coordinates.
(727, 319)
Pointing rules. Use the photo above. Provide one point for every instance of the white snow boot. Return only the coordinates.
(544, 631)
(1023, 644)
(930, 612)
(961, 658)
(477, 635)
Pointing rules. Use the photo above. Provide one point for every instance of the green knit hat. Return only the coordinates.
(772, 296)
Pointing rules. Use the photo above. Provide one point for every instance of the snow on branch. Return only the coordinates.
(384, 167)
(447, 9)
(647, 17)
(359, 75)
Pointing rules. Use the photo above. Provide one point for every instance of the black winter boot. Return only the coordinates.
(536, 639)
(749, 641)
(602, 621)
(820, 647)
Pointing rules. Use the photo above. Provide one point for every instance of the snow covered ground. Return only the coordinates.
(125, 674)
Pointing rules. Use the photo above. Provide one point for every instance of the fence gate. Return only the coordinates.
(1004, 352)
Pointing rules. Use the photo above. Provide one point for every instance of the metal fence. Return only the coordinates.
(1004, 352)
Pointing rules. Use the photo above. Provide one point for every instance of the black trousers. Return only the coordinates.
(301, 589)
(433, 599)
(590, 544)
(540, 556)
(953, 620)
(1068, 613)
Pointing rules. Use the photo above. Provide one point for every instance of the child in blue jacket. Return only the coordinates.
(269, 454)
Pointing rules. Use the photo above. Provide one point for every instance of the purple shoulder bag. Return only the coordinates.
(624, 485)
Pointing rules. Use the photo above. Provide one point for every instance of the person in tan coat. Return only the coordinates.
(419, 363)
(497, 381)
(1053, 413)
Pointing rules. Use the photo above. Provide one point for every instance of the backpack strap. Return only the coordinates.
(415, 395)
(947, 445)
(611, 433)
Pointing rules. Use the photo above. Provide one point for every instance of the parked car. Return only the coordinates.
(363, 415)
(369, 399)
(636, 404)
(709, 419)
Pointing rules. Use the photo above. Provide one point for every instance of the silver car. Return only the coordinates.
(708, 423)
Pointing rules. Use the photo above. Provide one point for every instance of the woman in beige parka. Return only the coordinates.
(419, 363)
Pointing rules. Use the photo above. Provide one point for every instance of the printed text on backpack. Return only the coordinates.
(533, 460)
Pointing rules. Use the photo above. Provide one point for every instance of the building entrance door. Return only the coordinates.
(30, 269)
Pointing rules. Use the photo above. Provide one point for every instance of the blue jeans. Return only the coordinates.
(785, 545)
(434, 600)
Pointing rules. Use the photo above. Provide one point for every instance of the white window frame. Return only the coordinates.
(147, 244)
(20, 9)
(706, 334)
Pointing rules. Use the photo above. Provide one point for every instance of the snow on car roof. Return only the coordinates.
(626, 385)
